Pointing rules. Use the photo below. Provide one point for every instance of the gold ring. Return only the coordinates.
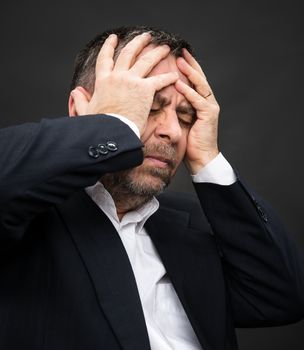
(210, 93)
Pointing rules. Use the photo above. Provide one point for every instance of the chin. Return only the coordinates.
(149, 182)
(148, 186)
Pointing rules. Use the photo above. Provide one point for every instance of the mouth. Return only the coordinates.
(159, 161)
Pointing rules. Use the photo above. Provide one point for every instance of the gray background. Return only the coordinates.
(252, 53)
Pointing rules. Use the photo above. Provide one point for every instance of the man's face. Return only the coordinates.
(165, 135)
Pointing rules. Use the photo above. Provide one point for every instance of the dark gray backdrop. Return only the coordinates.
(252, 53)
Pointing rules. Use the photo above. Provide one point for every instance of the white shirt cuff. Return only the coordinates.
(127, 121)
(217, 171)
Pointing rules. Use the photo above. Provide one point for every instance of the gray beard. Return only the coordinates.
(130, 193)
(132, 188)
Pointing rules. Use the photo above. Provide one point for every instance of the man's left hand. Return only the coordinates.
(202, 144)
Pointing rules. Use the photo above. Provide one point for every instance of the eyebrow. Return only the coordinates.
(161, 100)
(184, 108)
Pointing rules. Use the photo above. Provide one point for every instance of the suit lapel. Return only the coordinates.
(189, 256)
(193, 265)
(110, 270)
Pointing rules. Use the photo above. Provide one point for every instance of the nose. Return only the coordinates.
(168, 128)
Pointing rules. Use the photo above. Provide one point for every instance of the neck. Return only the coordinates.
(125, 200)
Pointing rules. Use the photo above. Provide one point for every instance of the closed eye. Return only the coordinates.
(154, 110)
(186, 116)
(186, 121)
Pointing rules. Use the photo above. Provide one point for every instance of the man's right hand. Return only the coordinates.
(123, 87)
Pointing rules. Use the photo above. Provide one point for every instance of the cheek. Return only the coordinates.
(148, 132)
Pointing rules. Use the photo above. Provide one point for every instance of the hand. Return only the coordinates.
(122, 87)
(202, 145)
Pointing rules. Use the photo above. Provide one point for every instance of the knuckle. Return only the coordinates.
(127, 50)
(215, 109)
(163, 47)
(147, 59)
(99, 79)
(129, 81)
(139, 37)
(102, 54)
(105, 60)
(151, 84)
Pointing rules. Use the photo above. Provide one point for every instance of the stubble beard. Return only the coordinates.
(134, 187)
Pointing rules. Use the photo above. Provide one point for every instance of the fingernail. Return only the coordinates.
(111, 36)
(146, 34)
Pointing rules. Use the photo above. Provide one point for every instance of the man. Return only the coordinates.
(111, 266)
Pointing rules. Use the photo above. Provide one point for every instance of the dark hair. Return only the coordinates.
(84, 69)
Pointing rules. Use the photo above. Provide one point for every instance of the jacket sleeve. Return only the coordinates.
(44, 163)
(263, 268)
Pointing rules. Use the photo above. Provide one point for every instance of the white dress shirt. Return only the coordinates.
(167, 323)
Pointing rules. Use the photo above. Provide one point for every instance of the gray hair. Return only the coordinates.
(84, 67)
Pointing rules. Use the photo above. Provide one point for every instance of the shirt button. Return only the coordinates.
(93, 152)
(102, 149)
(112, 146)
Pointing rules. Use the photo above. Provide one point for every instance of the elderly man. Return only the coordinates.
(90, 258)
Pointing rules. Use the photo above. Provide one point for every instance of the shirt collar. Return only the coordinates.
(105, 202)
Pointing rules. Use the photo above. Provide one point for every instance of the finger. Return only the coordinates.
(143, 66)
(192, 61)
(80, 102)
(199, 81)
(104, 62)
(163, 80)
(196, 100)
(129, 52)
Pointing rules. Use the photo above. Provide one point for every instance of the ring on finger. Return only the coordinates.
(209, 94)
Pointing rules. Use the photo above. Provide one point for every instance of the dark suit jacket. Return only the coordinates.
(65, 278)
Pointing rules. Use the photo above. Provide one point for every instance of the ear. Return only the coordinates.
(78, 101)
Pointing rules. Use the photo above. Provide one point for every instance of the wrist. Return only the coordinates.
(194, 166)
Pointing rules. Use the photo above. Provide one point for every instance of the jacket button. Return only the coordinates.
(262, 214)
(102, 149)
(93, 152)
(112, 146)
